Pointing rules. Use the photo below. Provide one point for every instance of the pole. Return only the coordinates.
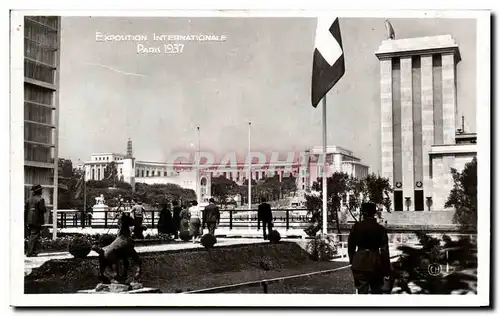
(198, 193)
(324, 186)
(249, 171)
(84, 196)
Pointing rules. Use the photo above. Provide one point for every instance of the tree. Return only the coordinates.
(356, 189)
(288, 185)
(337, 187)
(111, 173)
(378, 190)
(223, 188)
(463, 196)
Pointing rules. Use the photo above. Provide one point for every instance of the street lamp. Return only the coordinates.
(407, 203)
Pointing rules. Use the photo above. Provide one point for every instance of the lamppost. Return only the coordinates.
(407, 203)
(428, 202)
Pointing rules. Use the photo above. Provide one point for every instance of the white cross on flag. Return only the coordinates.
(328, 60)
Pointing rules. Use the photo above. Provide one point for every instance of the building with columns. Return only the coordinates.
(306, 169)
(419, 136)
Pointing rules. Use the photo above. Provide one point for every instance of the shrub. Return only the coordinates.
(79, 247)
(208, 240)
(185, 236)
(322, 248)
(274, 237)
(105, 240)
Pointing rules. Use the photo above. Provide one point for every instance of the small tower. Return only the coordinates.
(129, 149)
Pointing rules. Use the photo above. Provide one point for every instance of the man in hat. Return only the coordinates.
(368, 249)
(211, 217)
(34, 213)
(265, 215)
(137, 212)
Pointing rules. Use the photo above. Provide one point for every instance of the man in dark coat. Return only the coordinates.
(265, 215)
(211, 217)
(176, 217)
(34, 218)
(368, 249)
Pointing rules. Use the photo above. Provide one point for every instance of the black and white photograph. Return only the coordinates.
(190, 155)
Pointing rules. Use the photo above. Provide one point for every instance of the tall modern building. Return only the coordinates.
(420, 139)
(41, 104)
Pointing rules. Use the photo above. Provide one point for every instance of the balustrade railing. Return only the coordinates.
(232, 219)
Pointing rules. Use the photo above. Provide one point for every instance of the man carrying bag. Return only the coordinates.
(368, 249)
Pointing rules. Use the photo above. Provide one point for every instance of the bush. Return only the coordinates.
(322, 248)
(274, 237)
(79, 247)
(208, 240)
(105, 240)
(185, 236)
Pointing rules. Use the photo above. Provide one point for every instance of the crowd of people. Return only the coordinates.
(368, 248)
(189, 220)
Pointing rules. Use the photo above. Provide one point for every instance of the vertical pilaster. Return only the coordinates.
(386, 120)
(427, 122)
(449, 98)
(407, 131)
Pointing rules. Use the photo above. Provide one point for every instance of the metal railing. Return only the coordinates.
(232, 219)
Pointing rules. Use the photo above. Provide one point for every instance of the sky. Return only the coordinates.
(261, 73)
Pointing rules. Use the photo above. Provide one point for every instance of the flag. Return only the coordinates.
(328, 60)
(79, 187)
(389, 30)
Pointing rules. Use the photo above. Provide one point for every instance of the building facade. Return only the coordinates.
(185, 174)
(419, 137)
(41, 104)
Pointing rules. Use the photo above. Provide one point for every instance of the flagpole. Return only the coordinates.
(249, 171)
(84, 196)
(324, 186)
(198, 193)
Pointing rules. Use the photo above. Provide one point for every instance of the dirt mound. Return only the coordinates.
(71, 275)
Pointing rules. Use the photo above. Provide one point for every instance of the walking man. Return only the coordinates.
(265, 215)
(137, 212)
(34, 218)
(176, 218)
(211, 216)
(368, 249)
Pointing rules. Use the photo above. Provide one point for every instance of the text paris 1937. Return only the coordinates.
(162, 49)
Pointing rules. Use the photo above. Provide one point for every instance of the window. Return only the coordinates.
(37, 113)
(37, 51)
(38, 71)
(38, 133)
(93, 174)
(99, 174)
(120, 170)
(38, 153)
(147, 173)
(142, 173)
(164, 173)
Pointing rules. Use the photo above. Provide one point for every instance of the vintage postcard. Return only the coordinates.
(192, 155)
